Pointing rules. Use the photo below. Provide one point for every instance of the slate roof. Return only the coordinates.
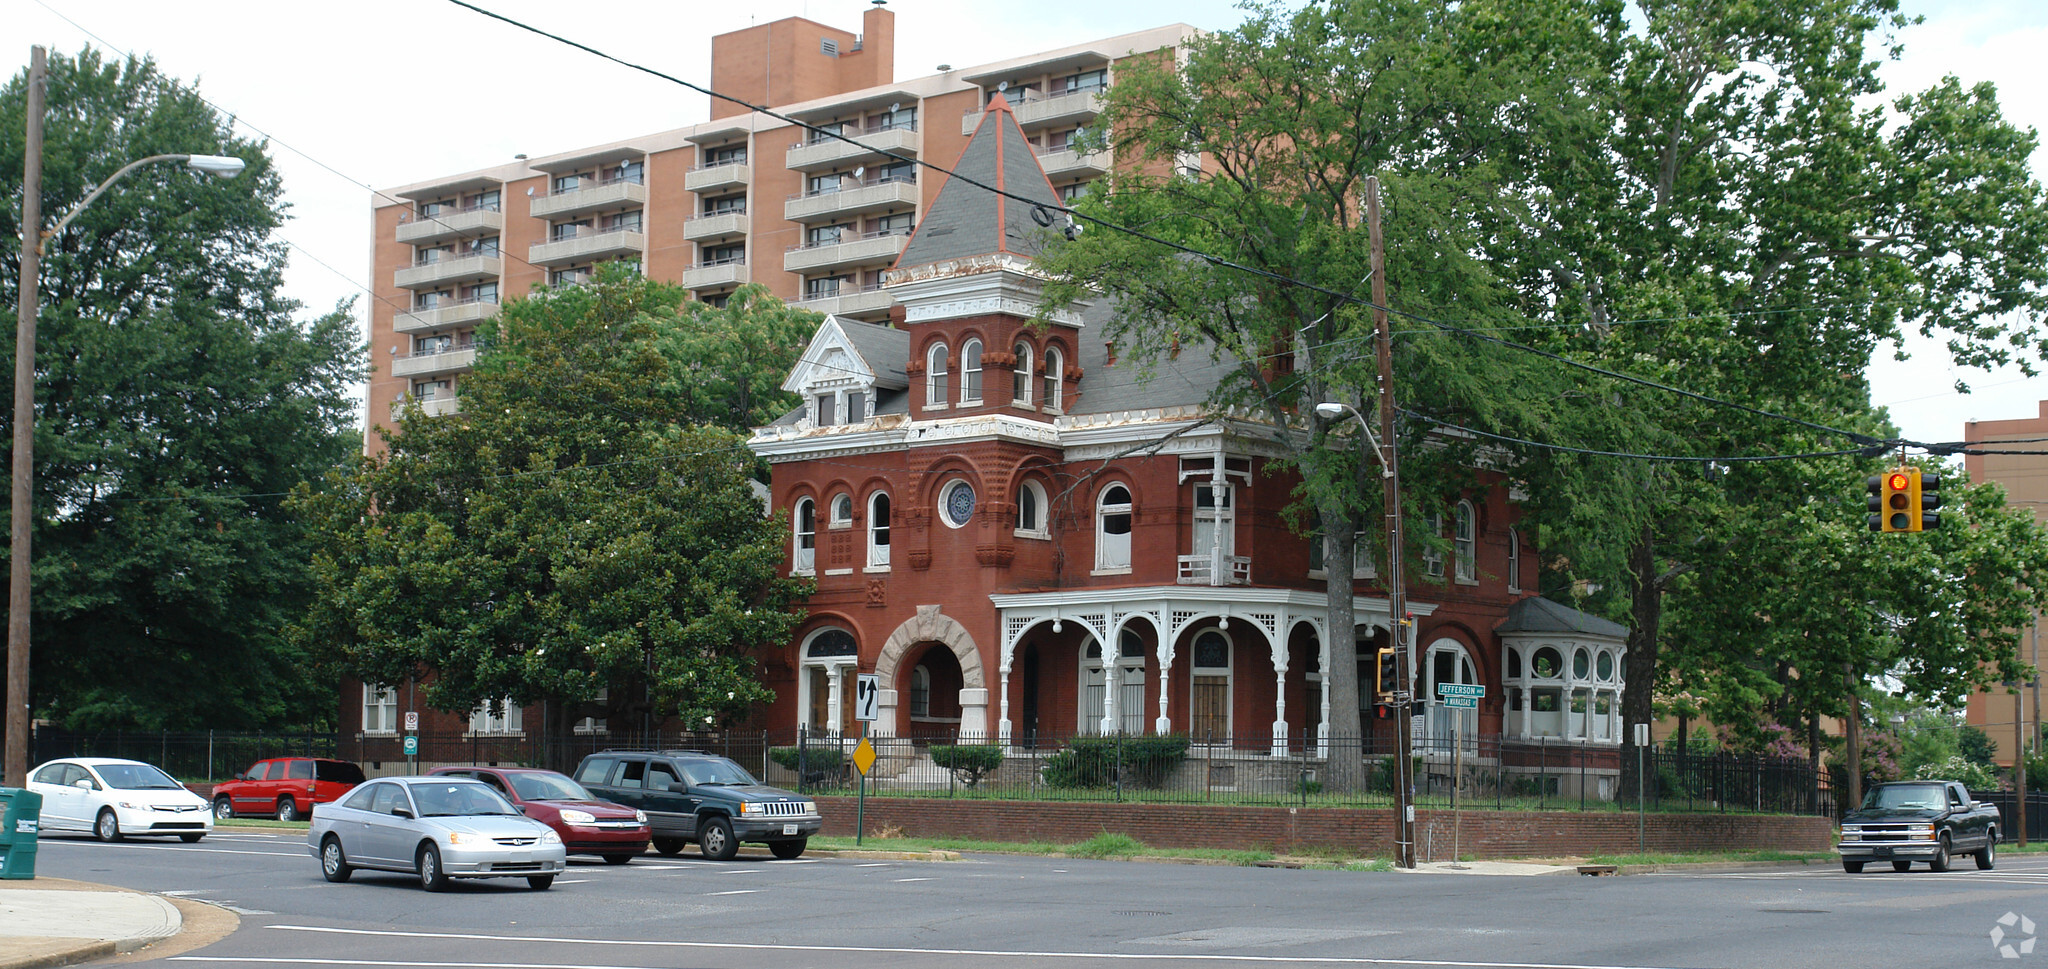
(968, 220)
(1539, 615)
(885, 349)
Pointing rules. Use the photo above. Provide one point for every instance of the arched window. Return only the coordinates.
(1514, 561)
(1113, 530)
(1020, 375)
(830, 660)
(1127, 675)
(1465, 544)
(1448, 663)
(935, 376)
(805, 521)
(970, 372)
(1432, 556)
(1209, 699)
(842, 510)
(1055, 362)
(921, 691)
(878, 530)
(1031, 510)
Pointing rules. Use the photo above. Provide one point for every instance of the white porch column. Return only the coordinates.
(1163, 725)
(1112, 684)
(1280, 712)
(1003, 724)
(1614, 716)
(973, 713)
(1528, 704)
(835, 697)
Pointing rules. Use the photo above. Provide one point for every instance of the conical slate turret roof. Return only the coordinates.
(968, 220)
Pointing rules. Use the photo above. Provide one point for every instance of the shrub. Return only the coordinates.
(816, 759)
(1142, 762)
(1975, 776)
(968, 763)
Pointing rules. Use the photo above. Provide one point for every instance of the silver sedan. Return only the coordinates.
(437, 828)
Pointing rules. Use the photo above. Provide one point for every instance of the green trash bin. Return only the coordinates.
(21, 814)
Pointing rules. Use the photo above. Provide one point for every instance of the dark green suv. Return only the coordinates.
(694, 796)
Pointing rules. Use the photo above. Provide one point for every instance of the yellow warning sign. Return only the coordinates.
(864, 757)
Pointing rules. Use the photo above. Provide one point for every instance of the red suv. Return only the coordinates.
(285, 788)
(587, 825)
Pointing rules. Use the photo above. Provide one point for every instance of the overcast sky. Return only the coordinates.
(375, 93)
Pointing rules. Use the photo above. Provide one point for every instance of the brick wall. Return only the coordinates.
(1488, 834)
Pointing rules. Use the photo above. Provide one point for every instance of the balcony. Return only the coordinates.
(710, 228)
(1205, 570)
(872, 248)
(823, 152)
(451, 269)
(712, 275)
(431, 407)
(425, 229)
(1066, 161)
(445, 315)
(862, 197)
(848, 301)
(719, 177)
(1038, 111)
(454, 359)
(616, 194)
(587, 246)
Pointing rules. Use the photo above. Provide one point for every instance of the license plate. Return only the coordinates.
(1881, 852)
(519, 856)
(789, 829)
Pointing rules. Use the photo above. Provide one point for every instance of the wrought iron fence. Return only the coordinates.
(203, 755)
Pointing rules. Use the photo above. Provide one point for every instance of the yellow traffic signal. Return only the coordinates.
(1386, 673)
(1899, 500)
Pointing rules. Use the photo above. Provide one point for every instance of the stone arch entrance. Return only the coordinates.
(932, 626)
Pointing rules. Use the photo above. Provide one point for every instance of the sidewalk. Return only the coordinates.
(59, 922)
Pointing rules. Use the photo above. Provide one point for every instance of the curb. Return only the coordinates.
(39, 952)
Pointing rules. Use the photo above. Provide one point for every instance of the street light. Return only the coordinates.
(22, 509)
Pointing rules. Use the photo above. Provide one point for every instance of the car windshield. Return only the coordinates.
(1907, 797)
(455, 800)
(548, 787)
(718, 771)
(137, 777)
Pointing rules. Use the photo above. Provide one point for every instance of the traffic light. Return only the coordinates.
(1386, 676)
(1898, 500)
(1873, 502)
(1929, 495)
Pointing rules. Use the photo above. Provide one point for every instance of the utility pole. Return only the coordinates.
(1399, 628)
(16, 767)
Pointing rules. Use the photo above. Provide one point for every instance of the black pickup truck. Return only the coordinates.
(1907, 821)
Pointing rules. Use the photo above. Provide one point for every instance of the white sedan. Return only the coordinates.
(115, 798)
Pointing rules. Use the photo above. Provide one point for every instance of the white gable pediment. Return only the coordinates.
(831, 360)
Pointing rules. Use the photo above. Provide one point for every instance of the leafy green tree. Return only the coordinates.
(728, 362)
(178, 398)
(565, 532)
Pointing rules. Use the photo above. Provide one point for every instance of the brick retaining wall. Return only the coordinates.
(1488, 834)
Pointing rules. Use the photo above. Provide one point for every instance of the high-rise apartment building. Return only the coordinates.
(740, 198)
(2011, 713)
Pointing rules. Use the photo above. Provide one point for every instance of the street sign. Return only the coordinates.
(412, 719)
(1460, 689)
(412, 746)
(864, 757)
(1461, 702)
(867, 698)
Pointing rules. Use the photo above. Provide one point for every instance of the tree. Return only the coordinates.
(565, 532)
(178, 398)
(729, 361)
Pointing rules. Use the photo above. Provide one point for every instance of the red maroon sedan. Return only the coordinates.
(587, 825)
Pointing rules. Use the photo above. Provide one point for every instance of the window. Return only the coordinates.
(842, 510)
(826, 287)
(1514, 561)
(1448, 662)
(1464, 544)
(1209, 702)
(486, 201)
(729, 205)
(428, 257)
(825, 416)
(432, 210)
(895, 224)
(956, 503)
(970, 372)
(567, 183)
(825, 235)
(894, 172)
(900, 118)
(380, 709)
(1127, 676)
(432, 389)
(805, 521)
(623, 222)
(1094, 80)
(1031, 510)
(481, 293)
(427, 301)
(594, 725)
(935, 376)
(1020, 375)
(824, 184)
(630, 171)
(1017, 94)
(1113, 530)
(826, 688)
(500, 717)
(878, 530)
(1072, 190)
(725, 155)
(921, 691)
(568, 230)
(1215, 524)
(824, 132)
(569, 277)
(1054, 362)
(715, 300)
(428, 345)
(486, 248)
(1432, 556)
(722, 255)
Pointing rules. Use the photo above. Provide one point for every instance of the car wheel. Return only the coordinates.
(108, 827)
(669, 846)
(617, 859)
(287, 809)
(223, 809)
(1852, 867)
(1940, 860)
(1988, 858)
(786, 850)
(1900, 864)
(716, 840)
(192, 839)
(333, 863)
(432, 878)
(539, 883)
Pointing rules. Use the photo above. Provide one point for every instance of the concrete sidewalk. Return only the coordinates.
(59, 922)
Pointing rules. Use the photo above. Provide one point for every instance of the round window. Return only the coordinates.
(1606, 665)
(1581, 664)
(1547, 663)
(956, 503)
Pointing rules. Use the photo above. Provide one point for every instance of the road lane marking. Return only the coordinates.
(910, 879)
(742, 891)
(874, 864)
(302, 853)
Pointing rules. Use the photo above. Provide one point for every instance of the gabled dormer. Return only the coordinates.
(848, 371)
(968, 285)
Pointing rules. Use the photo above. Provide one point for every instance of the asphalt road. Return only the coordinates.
(1005, 911)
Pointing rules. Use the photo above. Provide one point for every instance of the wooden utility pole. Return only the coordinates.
(1399, 628)
(23, 508)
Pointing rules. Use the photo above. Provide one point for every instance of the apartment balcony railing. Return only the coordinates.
(432, 407)
(711, 275)
(449, 313)
(419, 229)
(719, 177)
(455, 359)
(1215, 570)
(874, 144)
(720, 225)
(848, 301)
(1040, 111)
(871, 248)
(1066, 161)
(586, 246)
(858, 198)
(449, 269)
(617, 193)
